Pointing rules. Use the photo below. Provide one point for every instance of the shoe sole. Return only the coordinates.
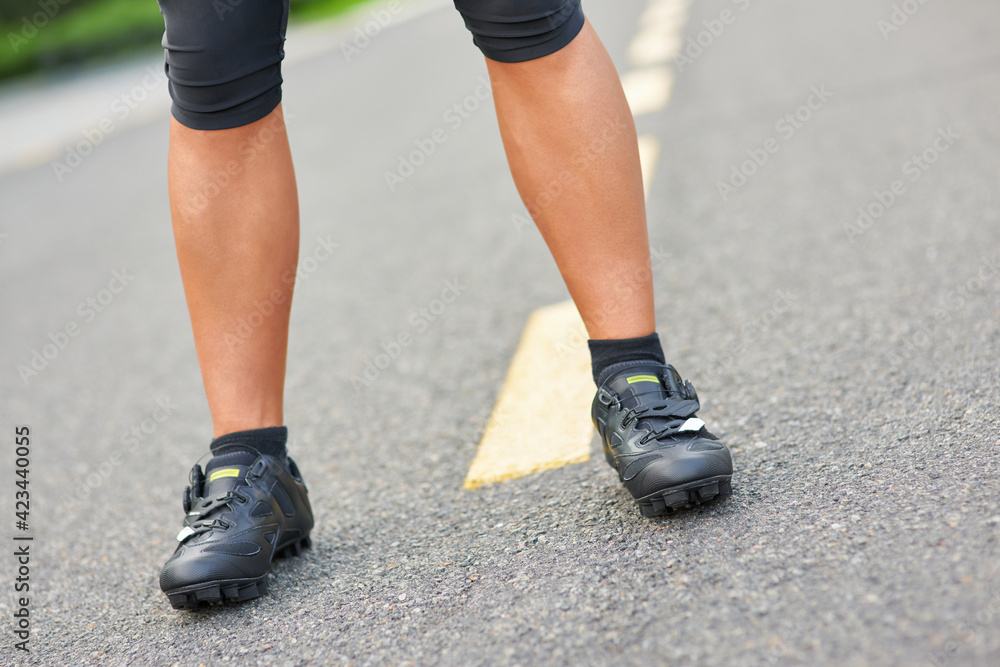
(686, 495)
(239, 590)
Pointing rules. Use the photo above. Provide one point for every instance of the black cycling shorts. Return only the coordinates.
(223, 57)
(512, 31)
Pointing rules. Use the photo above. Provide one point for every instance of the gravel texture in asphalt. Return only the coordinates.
(851, 366)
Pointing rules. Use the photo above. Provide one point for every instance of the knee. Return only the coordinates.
(223, 60)
(513, 31)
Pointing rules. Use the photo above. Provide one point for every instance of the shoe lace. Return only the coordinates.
(675, 410)
(201, 520)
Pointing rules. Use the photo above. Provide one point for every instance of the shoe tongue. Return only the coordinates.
(640, 380)
(226, 471)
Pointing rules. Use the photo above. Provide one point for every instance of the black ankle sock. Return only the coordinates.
(271, 441)
(604, 353)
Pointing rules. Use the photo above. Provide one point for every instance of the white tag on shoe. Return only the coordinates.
(692, 424)
(185, 533)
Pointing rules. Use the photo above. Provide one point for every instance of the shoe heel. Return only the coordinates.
(295, 548)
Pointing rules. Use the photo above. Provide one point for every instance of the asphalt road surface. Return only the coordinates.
(848, 357)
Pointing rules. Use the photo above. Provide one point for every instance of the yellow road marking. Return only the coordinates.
(648, 89)
(661, 31)
(649, 152)
(542, 418)
(651, 47)
(31, 158)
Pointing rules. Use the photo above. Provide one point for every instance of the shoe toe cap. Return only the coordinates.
(680, 468)
(190, 567)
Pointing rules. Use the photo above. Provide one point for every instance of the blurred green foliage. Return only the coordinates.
(45, 34)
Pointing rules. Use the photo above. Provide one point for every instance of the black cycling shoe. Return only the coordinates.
(664, 455)
(250, 508)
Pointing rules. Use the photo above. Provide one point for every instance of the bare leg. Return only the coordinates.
(235, 215)
(571, 145)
